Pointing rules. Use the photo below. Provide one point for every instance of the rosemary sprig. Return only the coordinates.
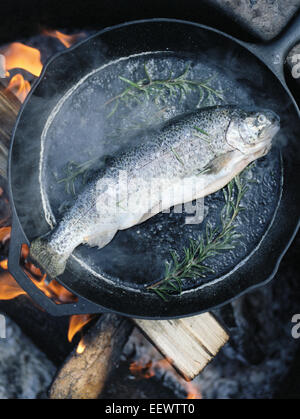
(158, 90)
(215, 240)
(74, 170)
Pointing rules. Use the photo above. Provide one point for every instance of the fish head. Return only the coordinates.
(252, 131)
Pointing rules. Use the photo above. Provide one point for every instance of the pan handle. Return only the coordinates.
(275, 52)
(82, 306)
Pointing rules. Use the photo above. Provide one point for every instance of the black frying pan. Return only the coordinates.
(52, 129)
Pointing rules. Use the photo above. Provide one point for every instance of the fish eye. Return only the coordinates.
(261, 119)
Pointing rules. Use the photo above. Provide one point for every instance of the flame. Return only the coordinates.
(66, 40)
(81, 347)
(192, 391)
(4, 264)
(76, 324)
(149, 369)
(9, 288)
(5, 234)
(22, 56)
(18, 55)
(19, 87)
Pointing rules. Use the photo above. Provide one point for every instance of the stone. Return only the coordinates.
(293, 62)
(264, 19)
(25, 372)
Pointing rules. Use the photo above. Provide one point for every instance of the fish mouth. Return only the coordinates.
(264, 140)
(270, 131)
(264, 145)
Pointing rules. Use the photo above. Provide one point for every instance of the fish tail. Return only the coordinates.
(47, 258)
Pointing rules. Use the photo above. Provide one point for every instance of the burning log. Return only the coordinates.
(9, 108)
(84, 374)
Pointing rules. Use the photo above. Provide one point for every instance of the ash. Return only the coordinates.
(25, 372)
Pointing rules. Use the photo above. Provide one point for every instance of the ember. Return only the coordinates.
(150, 368)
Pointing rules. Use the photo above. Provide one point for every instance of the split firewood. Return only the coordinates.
(189, 344)
(84, 375)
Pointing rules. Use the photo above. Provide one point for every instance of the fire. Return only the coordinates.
(19, 87)
(4, 264)
(76, 324)
(18, 55)
(150, 368)
(81, 347)
(66, 40)
(9, 288)
(192, 391)
(5, 234)
(143, 371)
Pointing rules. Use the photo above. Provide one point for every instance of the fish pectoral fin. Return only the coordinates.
(216, 165)
(101, 239)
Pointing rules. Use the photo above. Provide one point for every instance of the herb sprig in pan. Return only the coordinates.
(214, 241)
(158, 90)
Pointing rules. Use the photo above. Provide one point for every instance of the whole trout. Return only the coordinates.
(188, 158)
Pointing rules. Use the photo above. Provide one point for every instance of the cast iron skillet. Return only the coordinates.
(113, 278)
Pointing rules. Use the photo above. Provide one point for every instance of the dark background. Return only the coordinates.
(23, 18)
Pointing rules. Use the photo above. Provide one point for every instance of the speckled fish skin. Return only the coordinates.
(192, 156)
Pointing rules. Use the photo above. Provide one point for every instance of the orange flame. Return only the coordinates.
(18, 55)
(76, 324)
(4, 264)
(19, 87)
(81, 347)
(192, 391)
(149, 369)
(9, 288)
(66, 40)
(5, 234)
